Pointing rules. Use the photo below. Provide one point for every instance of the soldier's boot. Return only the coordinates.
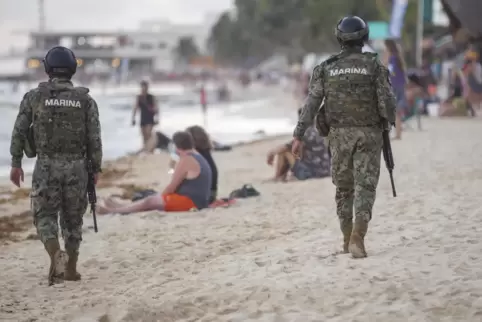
(52, 247)
(71, 273)
(346, 227)
(357, 240)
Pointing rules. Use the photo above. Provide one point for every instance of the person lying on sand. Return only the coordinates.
(314, 161)
(190, 186)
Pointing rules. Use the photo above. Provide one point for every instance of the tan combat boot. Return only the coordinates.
(53, 249)
(346, 228)
(357, 244)
(71, 273)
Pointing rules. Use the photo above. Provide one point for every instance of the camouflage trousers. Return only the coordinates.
(59, 189)
(356, 155)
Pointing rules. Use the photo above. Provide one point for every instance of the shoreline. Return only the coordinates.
(233, 124)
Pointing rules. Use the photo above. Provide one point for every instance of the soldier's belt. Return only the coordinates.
(353, 125)
(61, 156)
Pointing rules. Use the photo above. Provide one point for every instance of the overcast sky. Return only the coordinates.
(97, 14)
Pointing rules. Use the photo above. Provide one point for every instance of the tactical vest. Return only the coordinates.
(350, 91)
(59, 121)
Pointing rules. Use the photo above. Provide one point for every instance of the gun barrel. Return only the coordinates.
(92, 196)
(95, 219)
(392, 182)
(388, 156)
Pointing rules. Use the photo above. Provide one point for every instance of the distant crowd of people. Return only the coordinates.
(465, 84)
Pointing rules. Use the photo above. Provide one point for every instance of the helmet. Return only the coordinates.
(352, 29)
(60, 61)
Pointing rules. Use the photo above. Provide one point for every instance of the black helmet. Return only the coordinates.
(352, 30)
(60, 61)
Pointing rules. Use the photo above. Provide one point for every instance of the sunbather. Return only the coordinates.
(190, 186)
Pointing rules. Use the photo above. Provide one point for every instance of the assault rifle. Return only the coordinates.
(91, 191)
(388, 156)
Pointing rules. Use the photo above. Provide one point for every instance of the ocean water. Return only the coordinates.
(249, 116)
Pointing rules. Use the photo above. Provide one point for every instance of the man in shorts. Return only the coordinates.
(190, 186)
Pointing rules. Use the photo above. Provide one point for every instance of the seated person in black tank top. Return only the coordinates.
(190, 186)
(203, 145)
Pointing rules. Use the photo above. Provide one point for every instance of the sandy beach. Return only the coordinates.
(273, 257)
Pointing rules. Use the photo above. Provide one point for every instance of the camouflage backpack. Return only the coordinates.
(30, 148)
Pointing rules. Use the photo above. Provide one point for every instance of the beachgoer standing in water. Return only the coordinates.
(147, 105)
(358, 103)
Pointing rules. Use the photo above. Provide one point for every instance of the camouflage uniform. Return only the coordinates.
(65, 120)
(358, 97)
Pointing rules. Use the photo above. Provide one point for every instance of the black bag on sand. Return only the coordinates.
(246, 191)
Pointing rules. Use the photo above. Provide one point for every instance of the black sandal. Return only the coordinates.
(246, 191)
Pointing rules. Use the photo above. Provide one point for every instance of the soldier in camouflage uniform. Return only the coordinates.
(358, 103)
(58, 123)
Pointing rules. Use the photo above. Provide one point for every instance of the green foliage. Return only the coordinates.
(260, 28)
(186, 49)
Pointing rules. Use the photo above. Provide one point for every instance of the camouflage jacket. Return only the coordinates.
(64, 120)
(356, 91)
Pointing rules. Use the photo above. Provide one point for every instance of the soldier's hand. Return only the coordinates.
(296, 147)
(16, 176)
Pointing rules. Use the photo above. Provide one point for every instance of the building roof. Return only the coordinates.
(76, 33)
(154, 34)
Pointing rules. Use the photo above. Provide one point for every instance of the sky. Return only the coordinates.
(22, 15)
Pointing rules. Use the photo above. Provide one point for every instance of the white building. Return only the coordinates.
(149, 48)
